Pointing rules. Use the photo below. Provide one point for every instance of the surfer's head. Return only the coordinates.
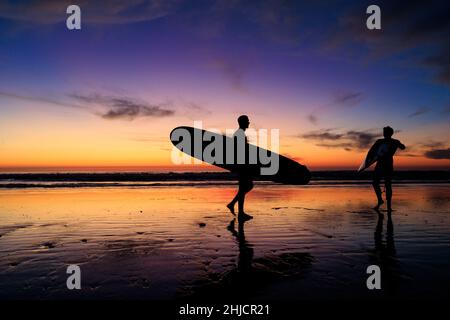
(388, 132)
(243, 121)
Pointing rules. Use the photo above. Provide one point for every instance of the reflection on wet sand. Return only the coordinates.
(245, 249)
(384, 254)
(310, 242)
(249, 274)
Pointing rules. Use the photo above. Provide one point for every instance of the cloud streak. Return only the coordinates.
(340, 99)
(438, 154)
(106, 106)
(45, 12)
(348, 140)
(46, 100)
(123, 107)
(347, 98)
(419, 112)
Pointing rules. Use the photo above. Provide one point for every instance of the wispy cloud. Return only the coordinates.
(339, 100)
(193, 110)
(347, 98)
(348, 140)
(114, 12)
(123, 107)
(432, 144)
(325, 134)
(38, 99)
(418, 112)
(106, 106)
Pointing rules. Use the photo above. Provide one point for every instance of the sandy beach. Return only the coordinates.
(310, 242)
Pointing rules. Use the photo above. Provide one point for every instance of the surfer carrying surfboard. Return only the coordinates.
(245, 179)
(382, 152)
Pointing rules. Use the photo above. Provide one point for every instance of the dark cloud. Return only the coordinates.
(362, 139)
(348, 140)
(313, 118)
(418, 149)
(93, 12)
(408, 26)
(418, 112)
(347, 98)
(326, 134)
(438, 154)
(123, 107)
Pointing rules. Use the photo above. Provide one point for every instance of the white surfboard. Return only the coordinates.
(374, 154)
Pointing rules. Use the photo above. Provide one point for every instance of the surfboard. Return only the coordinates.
(213, 148)
(374, 154)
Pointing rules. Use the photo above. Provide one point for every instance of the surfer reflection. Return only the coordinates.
(388, 249)
(245, 249)
(244, 177)
(383, 151)
(384, 254)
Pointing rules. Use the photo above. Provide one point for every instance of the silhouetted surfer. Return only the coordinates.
(244, 177)
(384, 150)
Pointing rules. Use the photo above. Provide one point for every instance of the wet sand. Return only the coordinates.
(311, 242)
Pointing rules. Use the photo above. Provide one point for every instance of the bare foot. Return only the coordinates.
(378, 205)
(242, 216)
(231, 208)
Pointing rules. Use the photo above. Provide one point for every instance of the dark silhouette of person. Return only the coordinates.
(245, 178)
(384, 168)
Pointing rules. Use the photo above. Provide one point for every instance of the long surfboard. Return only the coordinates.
(288, 171)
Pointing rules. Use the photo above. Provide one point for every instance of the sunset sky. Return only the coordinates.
(108, 95)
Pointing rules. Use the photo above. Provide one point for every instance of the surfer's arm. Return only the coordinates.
(401, 146)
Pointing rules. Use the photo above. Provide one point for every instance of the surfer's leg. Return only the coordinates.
(388, 185)
(243, 189)
(376, 187)
(230, 206)
(246, 187)
(236, 198)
